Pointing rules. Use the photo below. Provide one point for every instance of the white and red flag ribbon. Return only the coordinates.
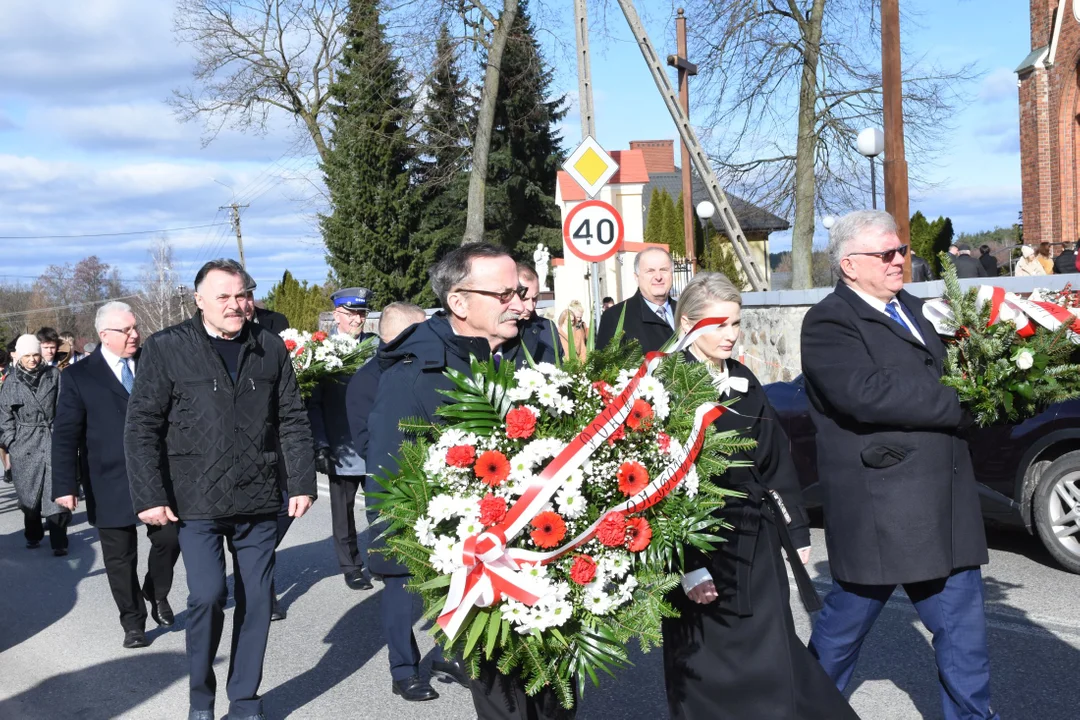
(490, 570)
(1005, 306)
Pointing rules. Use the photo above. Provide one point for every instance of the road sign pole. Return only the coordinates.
(594, 284)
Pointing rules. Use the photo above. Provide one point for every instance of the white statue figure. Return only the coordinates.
(541, 258)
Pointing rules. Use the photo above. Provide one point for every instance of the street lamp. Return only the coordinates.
(828, 221)
(871, 143)
(705, 210)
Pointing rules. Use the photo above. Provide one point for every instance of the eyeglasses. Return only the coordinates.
(128, 331)
(885, 255)
(504, 297)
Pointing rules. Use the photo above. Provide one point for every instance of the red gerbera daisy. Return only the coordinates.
(492, 510)
(520, 423)
(633, 477)
(550, 529)
(492, 468)
(461, 456)
(319, 336)
(638, 534)
(641, 415)
(612, 530)
(583, 570)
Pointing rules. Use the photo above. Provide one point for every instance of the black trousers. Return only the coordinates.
(502, 697)
(252, 539)
(34, 532)
(343, 489)
(120, 553)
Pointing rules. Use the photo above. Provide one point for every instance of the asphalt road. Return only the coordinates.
(61, 654)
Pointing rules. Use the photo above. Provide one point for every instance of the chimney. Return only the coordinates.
(659, 154)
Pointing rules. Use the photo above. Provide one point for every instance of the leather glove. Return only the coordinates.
(324, 461)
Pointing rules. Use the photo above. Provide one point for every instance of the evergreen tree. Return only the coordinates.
(526, 149)
(922, 241)
(368, 167)
(445, 136)
(299, 302)
(678, 239)
(654, 220)
(672, 216)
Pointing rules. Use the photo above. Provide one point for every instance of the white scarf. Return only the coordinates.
(722, 380)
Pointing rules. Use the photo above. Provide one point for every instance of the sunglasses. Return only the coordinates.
(885, 255)
(504, 296)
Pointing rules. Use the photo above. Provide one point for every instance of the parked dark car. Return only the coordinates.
(1028, 473)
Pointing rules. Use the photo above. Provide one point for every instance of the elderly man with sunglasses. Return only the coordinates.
(477, 286)
(899, 494)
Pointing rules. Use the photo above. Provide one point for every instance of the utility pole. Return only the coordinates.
(235, 209)
(686, 69)
(895, 165)
(588, 123)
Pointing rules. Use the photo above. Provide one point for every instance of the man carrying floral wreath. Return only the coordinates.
(477, 286)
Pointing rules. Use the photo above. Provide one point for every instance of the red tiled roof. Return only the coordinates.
(631, 170)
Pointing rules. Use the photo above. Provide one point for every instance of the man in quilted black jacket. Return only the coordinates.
(213, 397)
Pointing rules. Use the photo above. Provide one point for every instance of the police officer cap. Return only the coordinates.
(351, 298)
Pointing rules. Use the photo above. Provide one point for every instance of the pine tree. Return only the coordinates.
(671, 235)
(299, 302)
(526, 149)
(368, 167)
(654, 220)
(678, 239)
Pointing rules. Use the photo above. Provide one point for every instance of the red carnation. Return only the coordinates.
(550, 529)
(638, 534)
(492, 510)
(461, 456)
(583, 570)
(290, 345)
(605, 391)
(633, 477)
(641, 415)
(492, 468)
(619, 434)
(319, 336)
(664, 441)
(612, 530)
(520, 423)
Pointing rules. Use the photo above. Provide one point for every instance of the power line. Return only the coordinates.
(70, 306)
(113, 234)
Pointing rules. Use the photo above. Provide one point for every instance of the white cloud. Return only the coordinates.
(999, 85)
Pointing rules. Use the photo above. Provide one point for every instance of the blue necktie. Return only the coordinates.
(127, 378)
(498, 359)
(894, 312)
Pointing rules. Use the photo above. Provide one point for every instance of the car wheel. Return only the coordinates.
(1057, 510)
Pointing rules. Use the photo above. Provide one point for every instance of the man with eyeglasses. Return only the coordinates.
(88, 443)
(540, 328)
(899, 493)
(477, 286)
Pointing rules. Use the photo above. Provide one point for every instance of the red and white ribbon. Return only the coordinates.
(490, 570)
(1005, 306)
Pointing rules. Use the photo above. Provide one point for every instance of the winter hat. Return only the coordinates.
(1027, 251)
(26, 345)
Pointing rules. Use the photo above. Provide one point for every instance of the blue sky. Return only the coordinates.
(87, 144)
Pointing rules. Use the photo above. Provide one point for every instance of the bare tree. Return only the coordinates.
(257, 56)
(66, 297)
(790, 83)
(158, 305)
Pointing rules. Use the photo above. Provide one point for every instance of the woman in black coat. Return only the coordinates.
(733, 653)
(27, 408)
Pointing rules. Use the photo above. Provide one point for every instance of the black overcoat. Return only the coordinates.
(899, 493)
(88, 441)
(641, 324)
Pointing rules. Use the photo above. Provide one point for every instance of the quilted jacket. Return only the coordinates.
(207, 446)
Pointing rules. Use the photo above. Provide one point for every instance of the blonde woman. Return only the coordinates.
(1028, 264)
(577, 312)
(733, 652)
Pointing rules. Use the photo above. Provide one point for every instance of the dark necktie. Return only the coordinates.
(498, 359)
(127, 378)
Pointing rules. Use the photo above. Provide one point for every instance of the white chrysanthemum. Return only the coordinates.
(546, 368)
(534, 571)
(521, 465)
(548, 395)
(690, 483)
(558, 613)
(649, 386)
(517, 394)
(436, 461)
(529, 379)
(467, 507)
(544, 448)
(564, 405)
(598, 603)
(453, 437)
(442, 507)
(290, 334)
(514, 612)
(425, 531)
(570, 501)
(333, 362)
(615, 564)
(442, 557)
(469, 527)
(626, 590)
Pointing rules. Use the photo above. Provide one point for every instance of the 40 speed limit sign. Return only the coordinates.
(593, 231)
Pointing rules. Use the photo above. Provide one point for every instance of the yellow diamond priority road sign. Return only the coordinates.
(590, 166)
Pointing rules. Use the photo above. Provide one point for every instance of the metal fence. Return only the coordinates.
(682, 273)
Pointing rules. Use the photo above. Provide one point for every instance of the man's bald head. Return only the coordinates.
(396, 317)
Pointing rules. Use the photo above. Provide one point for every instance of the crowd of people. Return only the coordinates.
(200, 434)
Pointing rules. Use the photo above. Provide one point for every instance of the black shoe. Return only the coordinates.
(160, 610)
(357, 580)
(60, 552)
(33, 544)
(201, 715)
(450, 671)
(135, 639)
(276, 611)
(414, 689)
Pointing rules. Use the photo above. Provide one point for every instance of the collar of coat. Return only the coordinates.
(432, 342)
